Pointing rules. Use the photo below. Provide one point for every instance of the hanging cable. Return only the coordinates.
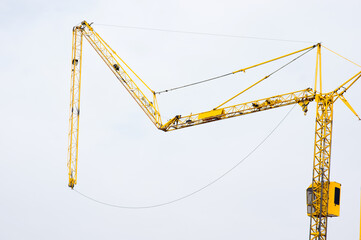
(200, 189)
(202, 33)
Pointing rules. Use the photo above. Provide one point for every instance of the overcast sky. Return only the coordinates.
(124, 160)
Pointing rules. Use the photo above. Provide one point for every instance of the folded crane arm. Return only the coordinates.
(302, 97)
(131, 82)
(319, 189)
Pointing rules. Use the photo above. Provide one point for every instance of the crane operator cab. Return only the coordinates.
(332, 205)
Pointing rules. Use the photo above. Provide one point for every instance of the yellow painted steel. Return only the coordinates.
(113, 62)
(97, 35)
(242, 92)
(334, 199)
(331, 205)
(322, 194)
(110, 58)
(211, 114)
(321, 165)
(318, 78)
(302, 97)
(274, 59)
(76, 62)
(346, 85)
(322, 152)
(342, 97)
(341, 56)
(264, 78)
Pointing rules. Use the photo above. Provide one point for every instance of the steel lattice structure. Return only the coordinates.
(320, 187)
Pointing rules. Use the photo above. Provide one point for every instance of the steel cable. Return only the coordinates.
(195, 83)
(202, 33)
(227, 74)
(200, 189)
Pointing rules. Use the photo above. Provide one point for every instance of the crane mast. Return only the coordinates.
(323, 196)
(324, 203)
(321, 166)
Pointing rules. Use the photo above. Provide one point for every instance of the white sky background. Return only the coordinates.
(125, 160)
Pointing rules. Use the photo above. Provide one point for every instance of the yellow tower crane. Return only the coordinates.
(323, 196)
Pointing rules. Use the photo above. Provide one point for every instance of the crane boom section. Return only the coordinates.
(302, 97)
(118, 67)
(74, 106)
(321, 166)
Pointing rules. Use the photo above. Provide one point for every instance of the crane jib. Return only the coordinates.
(323, 196)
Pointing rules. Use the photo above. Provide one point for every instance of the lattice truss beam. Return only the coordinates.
(302, 97)
(119, 67)
(126, 76)
(321, 166)
(74, 105)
